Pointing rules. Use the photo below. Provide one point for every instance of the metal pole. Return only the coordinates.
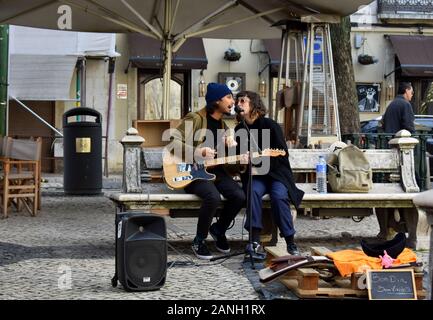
(305, 53)
(334, 88)
(287, 84)
(139, 16)
(201, 22)
(327, 128)
(78, 87)
(310, 85)
(273, 109)
(4, 66)
(37, 116)
(167, 60)
(107, 131)
(83, 83)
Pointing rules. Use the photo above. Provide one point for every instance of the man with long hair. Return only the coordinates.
(277, 182)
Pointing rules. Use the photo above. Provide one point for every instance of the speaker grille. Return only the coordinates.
(146, 262)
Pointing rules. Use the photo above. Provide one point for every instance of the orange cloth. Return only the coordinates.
(350, 261)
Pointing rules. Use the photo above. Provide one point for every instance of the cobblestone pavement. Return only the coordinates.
(76, 234)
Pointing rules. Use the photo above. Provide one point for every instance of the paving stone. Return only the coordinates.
(77, 232)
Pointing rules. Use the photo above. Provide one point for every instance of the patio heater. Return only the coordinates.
(289, 83)
(318, 124)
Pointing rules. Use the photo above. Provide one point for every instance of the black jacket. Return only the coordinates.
(279, 166)
(398, 116)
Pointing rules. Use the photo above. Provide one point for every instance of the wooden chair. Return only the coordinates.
(20, 176)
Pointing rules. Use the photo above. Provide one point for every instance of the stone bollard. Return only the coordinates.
(406, 144)
(131, 161)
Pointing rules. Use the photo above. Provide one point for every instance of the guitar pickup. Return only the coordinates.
(184, 178)
(183, 167)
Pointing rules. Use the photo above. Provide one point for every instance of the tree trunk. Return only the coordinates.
(344, 77)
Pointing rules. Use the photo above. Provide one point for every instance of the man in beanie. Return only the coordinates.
(203, 144)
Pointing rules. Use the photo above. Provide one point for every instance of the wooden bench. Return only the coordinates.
(398, 193)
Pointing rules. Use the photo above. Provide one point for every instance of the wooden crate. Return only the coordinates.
(152, 130)
(306, 282)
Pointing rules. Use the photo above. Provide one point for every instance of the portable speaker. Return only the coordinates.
(141, 251)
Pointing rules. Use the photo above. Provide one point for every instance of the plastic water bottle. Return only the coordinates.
(321, 175)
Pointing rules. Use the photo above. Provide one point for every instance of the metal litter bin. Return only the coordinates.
(82, 151)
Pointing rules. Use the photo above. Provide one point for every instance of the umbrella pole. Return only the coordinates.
(166, 79)
(167, 60)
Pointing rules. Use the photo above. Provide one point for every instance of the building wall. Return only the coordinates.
(124, 111)
(250, 63)
(376, 44)
(373, 31)
(253, 59)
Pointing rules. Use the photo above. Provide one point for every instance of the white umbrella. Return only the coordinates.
(171, 21)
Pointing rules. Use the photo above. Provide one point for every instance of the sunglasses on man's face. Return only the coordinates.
(243, 100)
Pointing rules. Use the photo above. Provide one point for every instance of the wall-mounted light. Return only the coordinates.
(201, 85)
(389, 92)
(262, 83)
(262, 88)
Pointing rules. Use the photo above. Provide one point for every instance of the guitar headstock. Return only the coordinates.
(273, 152)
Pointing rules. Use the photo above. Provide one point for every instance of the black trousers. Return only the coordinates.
(210, 192)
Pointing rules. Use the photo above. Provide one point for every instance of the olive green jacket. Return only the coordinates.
(189, 134)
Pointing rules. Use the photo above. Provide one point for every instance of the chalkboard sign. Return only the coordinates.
(391, 285)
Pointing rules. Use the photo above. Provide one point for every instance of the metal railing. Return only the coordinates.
(406, 6)
(380, 141)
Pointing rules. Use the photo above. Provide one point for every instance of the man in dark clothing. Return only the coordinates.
(277, 182)
(399, 114)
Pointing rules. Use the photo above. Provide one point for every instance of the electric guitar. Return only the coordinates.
(178, 174)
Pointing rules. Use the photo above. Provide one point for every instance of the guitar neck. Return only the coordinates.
(224, 160)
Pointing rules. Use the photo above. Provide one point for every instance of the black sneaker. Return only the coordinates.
(292, 249)
(200, 250)
(256, 251)
(221, 242)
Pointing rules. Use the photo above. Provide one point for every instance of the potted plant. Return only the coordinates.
(232, 55)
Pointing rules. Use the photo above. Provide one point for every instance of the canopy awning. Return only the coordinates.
(190, 18)
(146, 53)
(42, 62)
(273, 47)
(415, 54)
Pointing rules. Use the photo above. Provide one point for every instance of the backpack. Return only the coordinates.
(349, 171)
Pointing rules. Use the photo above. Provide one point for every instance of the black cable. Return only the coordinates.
(188, 262)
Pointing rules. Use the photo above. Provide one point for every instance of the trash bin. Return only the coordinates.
(82, 151)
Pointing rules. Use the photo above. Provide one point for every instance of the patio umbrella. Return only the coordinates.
(172, 21)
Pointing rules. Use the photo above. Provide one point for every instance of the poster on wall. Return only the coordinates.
(368, 97)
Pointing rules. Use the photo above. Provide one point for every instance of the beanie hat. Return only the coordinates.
(215, 92)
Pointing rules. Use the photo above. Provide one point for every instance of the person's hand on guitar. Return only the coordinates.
(244, 158)
(205, 153)
(230, 141)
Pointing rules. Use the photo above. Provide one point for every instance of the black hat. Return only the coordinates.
(393, 247)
